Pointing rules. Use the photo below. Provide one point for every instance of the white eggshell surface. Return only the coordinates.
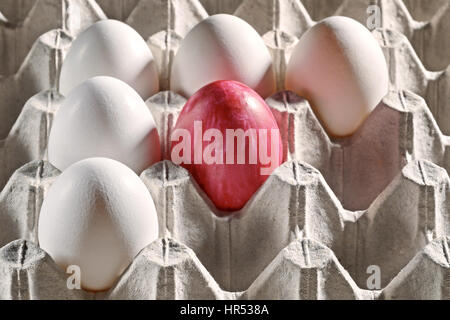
(110, 48)
(340, 68)
(98, 215)
(222, 47)
(104, 117)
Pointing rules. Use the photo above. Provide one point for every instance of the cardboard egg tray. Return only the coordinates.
(364, 217)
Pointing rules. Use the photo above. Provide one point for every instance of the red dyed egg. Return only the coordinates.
(228, 139)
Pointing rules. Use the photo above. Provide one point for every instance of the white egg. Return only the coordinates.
(110, 48)
(222, 47)
(104, 117)
(340, 68)
(98, 215)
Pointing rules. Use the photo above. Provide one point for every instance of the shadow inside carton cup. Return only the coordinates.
(27, 140)
(357, 167)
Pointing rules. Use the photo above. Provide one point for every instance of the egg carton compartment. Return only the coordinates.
(406, 71)
(400, 129)
(298, 243)
(24, 21)
(29, 137)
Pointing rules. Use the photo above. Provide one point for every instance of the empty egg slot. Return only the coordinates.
(27, 272)
(21, 200)
(406, 71)
(390, 137)
(119, 9)
(39, 72)
(27, 140)
(31, 19)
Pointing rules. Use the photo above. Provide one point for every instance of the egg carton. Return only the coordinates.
(395, 183)
(409, 212)
(297, 243)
